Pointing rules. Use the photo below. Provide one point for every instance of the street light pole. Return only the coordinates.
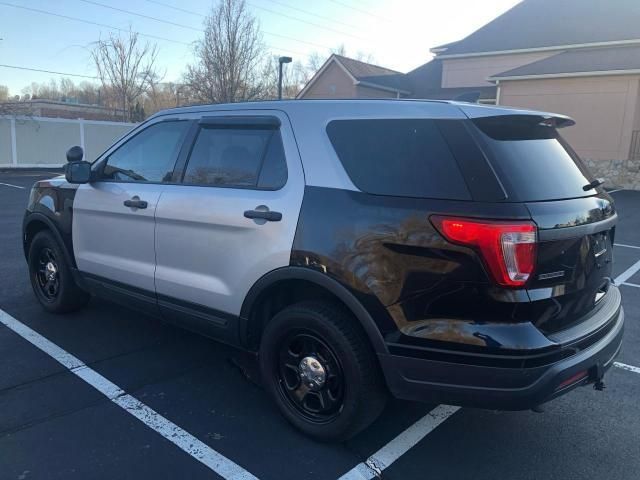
(281, 60)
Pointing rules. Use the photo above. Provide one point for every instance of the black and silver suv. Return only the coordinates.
(438, 251)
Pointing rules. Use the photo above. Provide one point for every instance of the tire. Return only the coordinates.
(51, 277)
(353, 393)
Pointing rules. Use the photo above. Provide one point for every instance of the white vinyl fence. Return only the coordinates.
(43, 142)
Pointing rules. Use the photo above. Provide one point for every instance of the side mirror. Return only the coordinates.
(78, 172)
(75, 154)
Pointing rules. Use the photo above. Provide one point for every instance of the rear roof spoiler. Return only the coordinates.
(480, 111)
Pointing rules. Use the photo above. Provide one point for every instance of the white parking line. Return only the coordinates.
(628, 273)
(152, 419)
(630, 284)
(10, 185)
(383, 458)
(617, 190)
(624, 366)
(625, 246)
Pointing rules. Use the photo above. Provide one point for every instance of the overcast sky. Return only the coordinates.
(397, 33)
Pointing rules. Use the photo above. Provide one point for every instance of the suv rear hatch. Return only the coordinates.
(575, 218)
(488, 173)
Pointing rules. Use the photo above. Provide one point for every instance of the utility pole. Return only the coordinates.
(281, 60)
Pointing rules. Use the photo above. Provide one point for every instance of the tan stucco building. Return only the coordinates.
(576, 57)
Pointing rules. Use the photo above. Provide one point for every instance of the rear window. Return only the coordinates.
(399, 157)
(531, 159)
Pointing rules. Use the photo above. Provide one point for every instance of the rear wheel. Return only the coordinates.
(51, 277)
(321, 371)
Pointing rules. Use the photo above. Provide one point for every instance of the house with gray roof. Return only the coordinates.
(343, 77)
(576, 57)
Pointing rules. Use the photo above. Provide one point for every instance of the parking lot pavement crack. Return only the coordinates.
(49, 418)
(64, 371)
(115, 395)
(362, 471)
(383, 458)
(375, 466)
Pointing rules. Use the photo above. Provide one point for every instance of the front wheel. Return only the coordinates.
(51, 277)
(320, 369)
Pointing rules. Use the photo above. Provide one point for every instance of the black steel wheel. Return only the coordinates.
(310, 376)
(46, 276)
(51, 277)
(318, 366)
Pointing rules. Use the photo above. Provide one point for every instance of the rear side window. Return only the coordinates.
(399, 157)
(531, 159)
(237, 157)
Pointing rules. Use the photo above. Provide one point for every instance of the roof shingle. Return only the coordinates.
(552, 23)
(581, 61)
(361, 69)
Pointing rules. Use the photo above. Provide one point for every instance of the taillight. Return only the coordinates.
(507, 248)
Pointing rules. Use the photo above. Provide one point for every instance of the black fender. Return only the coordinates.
(29, 219)
(322, 280)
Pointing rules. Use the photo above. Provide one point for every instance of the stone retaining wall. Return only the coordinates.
(617, 173)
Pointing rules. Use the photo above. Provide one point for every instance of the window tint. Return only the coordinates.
(236, 157)
(531, 159)
(401, 157)
(274, 168)
(149, 156)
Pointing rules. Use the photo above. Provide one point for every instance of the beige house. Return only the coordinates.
(577, 57)
(342, 77)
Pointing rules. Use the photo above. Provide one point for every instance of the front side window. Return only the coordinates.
(150, 156)
(237, 157)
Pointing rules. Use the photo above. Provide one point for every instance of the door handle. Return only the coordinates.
(135, 202)
(264, 215)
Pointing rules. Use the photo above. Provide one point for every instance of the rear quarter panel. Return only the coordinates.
(386, 251)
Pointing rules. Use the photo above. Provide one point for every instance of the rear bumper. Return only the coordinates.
(497, 386)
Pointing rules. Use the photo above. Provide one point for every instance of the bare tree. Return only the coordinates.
(229, 59)
(314, 62)
(167, 95)
(65, 90)
(359, 55)
(125, 67)
(340, 50)
(13, 105)
(47, 90)
(4, 93)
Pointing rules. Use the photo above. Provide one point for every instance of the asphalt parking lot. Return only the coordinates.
(196, 412)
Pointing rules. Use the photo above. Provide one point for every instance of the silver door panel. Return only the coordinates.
(208, 253)
(114, 241)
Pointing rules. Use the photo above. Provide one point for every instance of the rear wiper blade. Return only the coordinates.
(595, 184)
